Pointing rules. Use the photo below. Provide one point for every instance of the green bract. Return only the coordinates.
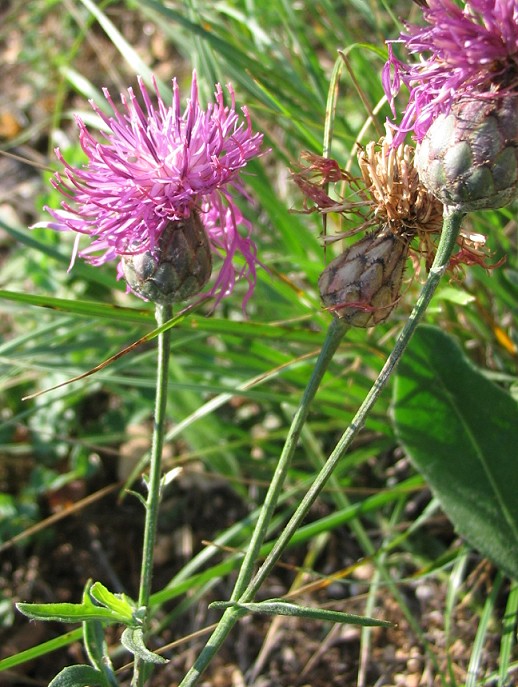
(469, 158)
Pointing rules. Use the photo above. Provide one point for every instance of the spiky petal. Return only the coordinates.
(466, 49)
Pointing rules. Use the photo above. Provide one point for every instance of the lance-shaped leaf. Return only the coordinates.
(281, 607)
(98, 604)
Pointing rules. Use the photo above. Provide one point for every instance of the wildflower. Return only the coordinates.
(159, 194)
(463, 102)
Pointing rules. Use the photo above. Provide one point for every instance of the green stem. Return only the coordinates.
(451, 227)
(335, 333)
(163, 313)
(242, 593)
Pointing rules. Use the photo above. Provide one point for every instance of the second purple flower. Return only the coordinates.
(463, 100)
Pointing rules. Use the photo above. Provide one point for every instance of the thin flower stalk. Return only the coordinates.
(153, 483)
(335, 334)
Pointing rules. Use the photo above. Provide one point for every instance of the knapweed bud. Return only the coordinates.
(469, 158)
(179, 266)
(363, 284)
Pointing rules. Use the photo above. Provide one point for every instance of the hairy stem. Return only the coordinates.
(163, 314)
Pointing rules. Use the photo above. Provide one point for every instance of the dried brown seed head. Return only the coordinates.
(396, 195)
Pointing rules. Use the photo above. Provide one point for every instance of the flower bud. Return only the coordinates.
(178, 267)
(469, 158)
(363, 284)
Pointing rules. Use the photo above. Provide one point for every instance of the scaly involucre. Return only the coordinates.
(157, 166)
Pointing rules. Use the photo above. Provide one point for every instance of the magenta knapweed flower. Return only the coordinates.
(467, 49)
(160, 166)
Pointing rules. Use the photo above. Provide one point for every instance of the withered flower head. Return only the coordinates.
(388, 201)
(397, 197)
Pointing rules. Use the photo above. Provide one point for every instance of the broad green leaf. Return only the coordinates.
(133, 640)
(461, 432)
(280, 607)
(78, 676)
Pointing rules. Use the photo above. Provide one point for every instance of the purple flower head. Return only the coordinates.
(465, 50)
(157, 166)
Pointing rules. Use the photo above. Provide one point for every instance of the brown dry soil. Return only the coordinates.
(87, 544)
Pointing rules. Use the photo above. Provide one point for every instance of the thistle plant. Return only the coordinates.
(159, 195)
(361, 288)
(163, 179)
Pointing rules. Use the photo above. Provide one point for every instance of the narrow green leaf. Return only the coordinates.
(40, 650)
(119, 604)
(280, 607)
(128, 53)
(93, 636)
(67, 612)
(113, 608)
(508, 641)
(82, 308)
(461, 431)
(94, 643)
(133, 640)
(478, 649)
(78, 676)
(254, 330)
